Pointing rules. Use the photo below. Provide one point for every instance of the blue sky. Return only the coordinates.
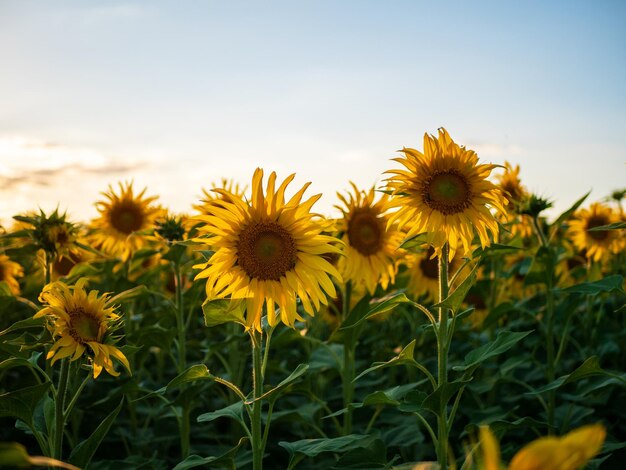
(176, 95)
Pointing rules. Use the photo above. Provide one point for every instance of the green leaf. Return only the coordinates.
(432, 401)
(226, 458)
(82, 454)
(456, 297)
(591, 367)
(231, 411)
(372, 457)
(615, 226)
(21, 403)
(568, 213)
(220, 311)
(298, 372)
(193, 373)
(377, 306)
(415, 243)
(611, 283)
(5, 290)
(24, 324)
(406, 357)
(503, 342)
(175, 253)
(314, 447)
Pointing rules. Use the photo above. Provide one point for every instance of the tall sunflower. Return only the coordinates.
(81, 323)
(9, 271)
(267, 252)
(445, 193)
(596, 244)
(370, 246)
(122, 218)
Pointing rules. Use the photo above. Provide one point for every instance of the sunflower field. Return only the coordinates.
(442, 321)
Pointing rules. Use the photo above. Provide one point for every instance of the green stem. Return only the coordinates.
(257, 379)
(182, 359)
(59, 402)
(442, 361)
(69, 408)
(347, 372)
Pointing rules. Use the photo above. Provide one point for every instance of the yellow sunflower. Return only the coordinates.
(444, 192)
(80, 321)
(511, 186)
(423, 271)
(9, 271)
(370, 246)
(230, 186)
(599, 244)
(569, 452)
(267, 252)
(122, 219)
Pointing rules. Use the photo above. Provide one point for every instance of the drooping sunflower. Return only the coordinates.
(122, 218)
(81, 323)
(444, 192)
(9, 271)
(371, 253)
(267, 252)
(597, 244)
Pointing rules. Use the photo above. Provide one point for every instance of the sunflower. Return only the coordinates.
(230, 186)
(9, 270)
(81, 321)
(370, 246)
(267, 252)
(569, 452)
(445, 193)
(516, 194)
(423, 271)
(597, 244)
(122, 219)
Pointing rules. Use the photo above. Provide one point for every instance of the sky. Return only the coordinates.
(177, 95)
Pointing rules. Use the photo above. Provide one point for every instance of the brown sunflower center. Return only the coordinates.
(448, 192)
(266, 251)
(598, 221)
(365, 231)
(127, 217)
(3, 272)
(430, 265)
(83, 326)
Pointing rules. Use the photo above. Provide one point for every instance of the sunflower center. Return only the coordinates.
(365, 231)
(126, 217)
(448, 192)
(598, 221)
(83, 327)
(266, 251)
(3, 274)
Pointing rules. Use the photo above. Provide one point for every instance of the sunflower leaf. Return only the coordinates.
(591, 367)
(567, 214)
(218, 311)
(193, 373)
(456, 297)
(314, 447)
(297, 373)
(82, 454)
(226, 458)
(21, 403)
(376, 307)
(613, 283)
(615, 226)
(503, 342)
(127, 295)
(233, 411)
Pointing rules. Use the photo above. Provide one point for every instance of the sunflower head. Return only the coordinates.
(52, 233)
(124, 216)
(444, 192)
(81, 324)
(9, 271)
(267, 252)
(170, 228)
(370, 246)
(600, 244)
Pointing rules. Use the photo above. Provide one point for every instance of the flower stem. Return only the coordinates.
(442, 362)
(257, 379)
(347, 373)
(182, 358)
(59, 416)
